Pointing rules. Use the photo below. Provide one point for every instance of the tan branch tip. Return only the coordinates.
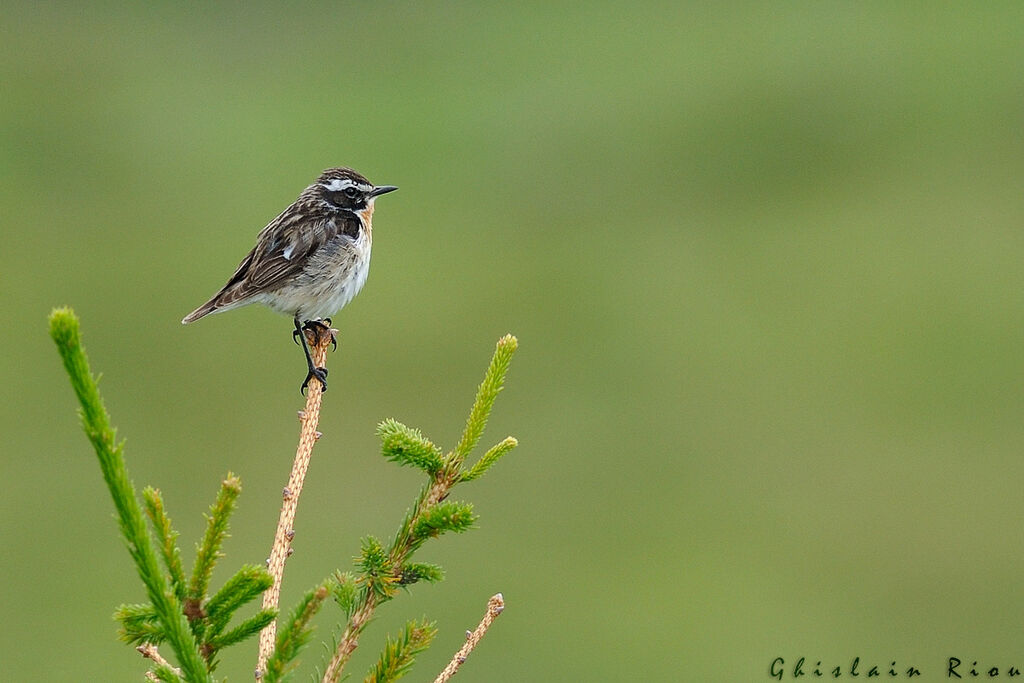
(495, 606)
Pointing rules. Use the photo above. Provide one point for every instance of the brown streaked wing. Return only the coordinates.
(241, 283)
(300, 239)
(266, 266)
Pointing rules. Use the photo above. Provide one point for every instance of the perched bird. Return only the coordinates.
(311, 260)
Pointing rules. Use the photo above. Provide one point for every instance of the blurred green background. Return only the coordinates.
(764, 262)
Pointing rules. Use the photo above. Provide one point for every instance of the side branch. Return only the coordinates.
(402, 547)
(282, 548)
(495, 606)
(150, 651)
(431, 514)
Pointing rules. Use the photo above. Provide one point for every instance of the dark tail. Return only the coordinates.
(232, 295)
(206, 309)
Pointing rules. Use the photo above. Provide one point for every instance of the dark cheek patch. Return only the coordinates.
(339, 199)
(342, 201)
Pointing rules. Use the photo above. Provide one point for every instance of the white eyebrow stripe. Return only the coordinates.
(339, 184)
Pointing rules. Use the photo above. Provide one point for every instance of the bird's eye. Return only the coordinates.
(351, 192)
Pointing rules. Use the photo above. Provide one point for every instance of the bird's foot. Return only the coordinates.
(318, 373)
(317, 328)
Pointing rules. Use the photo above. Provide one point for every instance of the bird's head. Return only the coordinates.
(345, 189)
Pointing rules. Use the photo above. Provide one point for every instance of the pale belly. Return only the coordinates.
(332, 278)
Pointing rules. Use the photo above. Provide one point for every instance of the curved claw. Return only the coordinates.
(320, 374)
(295, 337)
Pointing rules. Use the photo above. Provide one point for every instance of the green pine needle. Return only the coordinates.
(405, 543)
(343, 588)
(208, 551)
(414, 572)
(399, 654)
(375, 565)
(489, 458)
(245, 586)
(140, 624)
(485, 395)
(407, 446)
(168, 538)
(294, 634)
(445, 517)
(247, 628)
(65, 332)
(373, 560)
(166, 674)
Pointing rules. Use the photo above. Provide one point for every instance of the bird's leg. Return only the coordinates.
(319, 373)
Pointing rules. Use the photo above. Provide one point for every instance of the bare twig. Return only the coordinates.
(495, 606)
(149, 651)
(310, 417)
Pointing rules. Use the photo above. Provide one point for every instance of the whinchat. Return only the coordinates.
(310, 261)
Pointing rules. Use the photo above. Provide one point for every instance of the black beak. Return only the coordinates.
(382, 189)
